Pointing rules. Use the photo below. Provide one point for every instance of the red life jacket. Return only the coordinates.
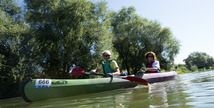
(149, 65)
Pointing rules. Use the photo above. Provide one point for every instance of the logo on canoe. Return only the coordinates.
(43, 83)
(59, 82)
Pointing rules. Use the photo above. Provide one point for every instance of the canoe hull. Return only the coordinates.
(43, 89)
(159, 77)
(31, 91)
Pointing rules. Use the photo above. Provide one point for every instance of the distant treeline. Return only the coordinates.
(196, 61)
(46, 38)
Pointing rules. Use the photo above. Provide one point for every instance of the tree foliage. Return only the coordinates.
(68, 33)
(199, 60)
(11, 55)
(134, 36)
(180, 68)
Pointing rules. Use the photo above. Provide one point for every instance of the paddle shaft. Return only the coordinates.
(130, 78)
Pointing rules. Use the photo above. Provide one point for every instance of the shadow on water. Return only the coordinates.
(186, 91)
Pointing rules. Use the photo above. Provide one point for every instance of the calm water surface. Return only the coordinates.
(191, 90)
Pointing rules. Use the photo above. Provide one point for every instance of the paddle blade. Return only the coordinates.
(77, 72)
(137, 80)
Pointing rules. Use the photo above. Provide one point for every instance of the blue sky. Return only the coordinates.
(190, 21)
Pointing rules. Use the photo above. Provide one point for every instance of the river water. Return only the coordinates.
(190, 90)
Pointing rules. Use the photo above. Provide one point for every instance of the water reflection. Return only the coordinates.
(168, 94)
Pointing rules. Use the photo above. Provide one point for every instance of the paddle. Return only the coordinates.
(78, 72)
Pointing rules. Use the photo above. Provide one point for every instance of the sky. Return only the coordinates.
(190, 21)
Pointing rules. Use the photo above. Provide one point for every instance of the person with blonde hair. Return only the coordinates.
(108, 67)
(152, 65)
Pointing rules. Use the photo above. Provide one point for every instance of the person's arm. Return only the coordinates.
(155, 66)
(117, 72)
(152, 69)
(142, 69)
(114, 66)
(98, 69)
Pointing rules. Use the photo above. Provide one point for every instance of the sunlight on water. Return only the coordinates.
(191, 90)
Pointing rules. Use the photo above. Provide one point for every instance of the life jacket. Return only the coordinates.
(106, 67)
(149, 65)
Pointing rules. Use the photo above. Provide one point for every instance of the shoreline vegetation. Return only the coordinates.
(199, 70)
(180, 71)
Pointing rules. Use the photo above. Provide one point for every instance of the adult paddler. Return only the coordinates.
(152, 64)
(108, 66)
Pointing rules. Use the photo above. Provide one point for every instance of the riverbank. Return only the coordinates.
(189, 71)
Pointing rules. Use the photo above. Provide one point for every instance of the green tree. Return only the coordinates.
(11, 9)
(134, 36)
(194, 68)
(199, 59)
(180, 68)
(68, 33)
(165, 46)
(126, 27)
(11, 54)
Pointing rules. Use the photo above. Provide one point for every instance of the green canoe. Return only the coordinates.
(43, 89)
